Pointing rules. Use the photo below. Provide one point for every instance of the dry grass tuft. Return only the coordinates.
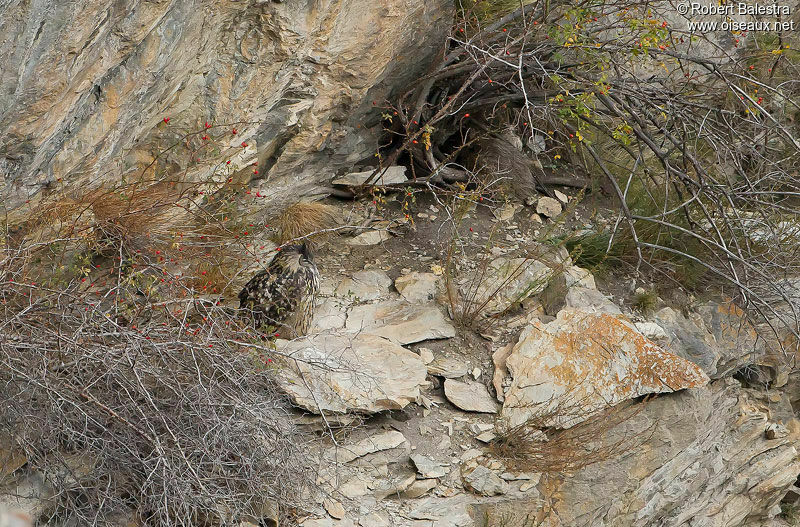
(645, 302)
(533, 446)
(309, 222)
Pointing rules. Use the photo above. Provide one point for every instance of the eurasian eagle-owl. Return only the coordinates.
(281, 297)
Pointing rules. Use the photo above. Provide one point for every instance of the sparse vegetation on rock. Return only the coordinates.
(555, 280)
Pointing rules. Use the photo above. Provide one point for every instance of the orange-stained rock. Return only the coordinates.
(564, 371)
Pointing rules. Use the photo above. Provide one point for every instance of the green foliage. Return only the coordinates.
(645, 302)
(591, 251)
(791, 514)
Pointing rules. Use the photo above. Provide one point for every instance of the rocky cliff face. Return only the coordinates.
(92, 91)
(85, 85)
(703, 459)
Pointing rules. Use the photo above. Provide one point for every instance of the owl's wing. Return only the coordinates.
(250, 289)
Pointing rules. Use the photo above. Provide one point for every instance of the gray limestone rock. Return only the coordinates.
(470, 397)
(86, 86)
(428, 468)
(485, 482)
(342, 372)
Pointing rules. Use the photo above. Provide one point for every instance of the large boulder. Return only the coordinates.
(718, 337)
(330, 372)
(582, 362)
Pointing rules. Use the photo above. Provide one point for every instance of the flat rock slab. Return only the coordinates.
(390, 175)
(364, 285)
(400, 321)
(328, 522)
(575, 288)
(369, 445)
(445, 512)
(483, 481)
(549, 207)
(330, 314)
(418, 488)
(470, 397)
(369, 238)
(392, 485)
(350, 373)
(567, 370)
(374, 519)
(588, 299)
(448, 367)
(334, 508)
(429, 468)
(417, 287)
(506, 212)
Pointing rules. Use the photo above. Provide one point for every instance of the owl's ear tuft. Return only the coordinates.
(305, 251)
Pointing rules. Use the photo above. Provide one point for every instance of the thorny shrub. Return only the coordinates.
(126, 382)
(693, 135)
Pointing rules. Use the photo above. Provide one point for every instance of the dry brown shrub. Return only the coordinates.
(166, 414)
(535, 446)
(115, 347)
